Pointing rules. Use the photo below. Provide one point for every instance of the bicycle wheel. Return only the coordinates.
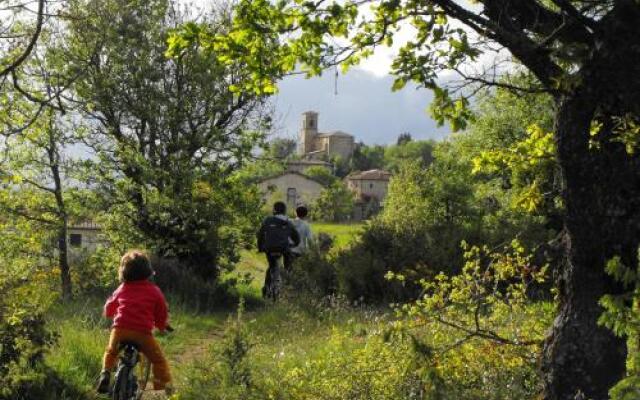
(145, 371)
(121, 384)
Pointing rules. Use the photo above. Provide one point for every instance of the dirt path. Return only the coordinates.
(196, 349)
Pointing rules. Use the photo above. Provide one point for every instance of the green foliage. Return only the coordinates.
(474, 189)
(168, 134)
(260, 38)
(253, 172)
(622, 317)
(392, 157)
(24, 337)
(190, 290)
(230, 375)
(529, 165)
(484, 308)
(427, 213)
(335, 203)
(321, 174)
(404, 138)
(365, 157)
(281, 148)
(313, 274)
(409, 151)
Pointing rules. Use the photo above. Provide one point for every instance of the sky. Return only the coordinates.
(363, 106)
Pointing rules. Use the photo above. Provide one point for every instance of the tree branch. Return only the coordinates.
(34, 38)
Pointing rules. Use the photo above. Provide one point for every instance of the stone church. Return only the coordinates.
(315, 145)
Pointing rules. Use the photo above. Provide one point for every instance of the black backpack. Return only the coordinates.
(276, 233)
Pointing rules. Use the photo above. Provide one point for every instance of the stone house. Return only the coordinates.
(315, 145)
(83, 239)
(370, 189)
(292, 187)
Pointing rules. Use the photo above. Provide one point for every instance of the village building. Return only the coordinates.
(292, 187)
(315, 145)
(84, 238)
(370, 190)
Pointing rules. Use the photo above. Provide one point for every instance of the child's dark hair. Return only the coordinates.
(302, 212)
(134, 266)
(279, 208)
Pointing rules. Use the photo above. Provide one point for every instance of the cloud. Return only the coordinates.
(364, 106)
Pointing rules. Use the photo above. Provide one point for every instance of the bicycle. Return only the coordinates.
(273, 280)
(126, 385)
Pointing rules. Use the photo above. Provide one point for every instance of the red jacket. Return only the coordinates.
(137, 305)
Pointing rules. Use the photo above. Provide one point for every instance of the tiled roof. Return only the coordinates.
(371, 175)
(88, 225)
(334, 133)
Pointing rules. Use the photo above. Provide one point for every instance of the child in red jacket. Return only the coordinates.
(136, 307)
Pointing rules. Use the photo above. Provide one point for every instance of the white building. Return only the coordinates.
(291, 187)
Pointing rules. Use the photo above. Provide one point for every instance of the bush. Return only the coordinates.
(313, 273)
(418, 254)
(24, 337)
(96, 273)
(182, 285)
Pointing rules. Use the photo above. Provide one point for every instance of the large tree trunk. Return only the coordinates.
(601, 185)
(602, 200)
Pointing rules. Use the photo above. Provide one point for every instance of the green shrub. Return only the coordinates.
(183, 286)
(96, 273)
(313, 273)
(361, 267)
(24, 336)
(227, 373)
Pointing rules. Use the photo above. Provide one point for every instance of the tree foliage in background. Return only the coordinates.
(168, 134)
(366, 157)
(420, 151)
(404, 138)
(34, 195)
(335, 204)
(281, 148)
(321, 174)
(429, 211)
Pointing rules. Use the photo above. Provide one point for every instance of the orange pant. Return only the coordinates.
(148, 346)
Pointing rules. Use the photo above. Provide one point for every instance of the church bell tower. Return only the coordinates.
(308, 132)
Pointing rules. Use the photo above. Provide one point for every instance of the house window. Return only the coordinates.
(371, 186)
(75, 240)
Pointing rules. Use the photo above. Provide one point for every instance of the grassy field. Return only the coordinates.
(343, 233)
(282, 334)
(303, 348)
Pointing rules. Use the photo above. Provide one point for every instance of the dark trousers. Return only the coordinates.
(273, 277)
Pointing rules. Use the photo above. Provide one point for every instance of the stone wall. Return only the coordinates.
(371, 188)
(292, 188)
